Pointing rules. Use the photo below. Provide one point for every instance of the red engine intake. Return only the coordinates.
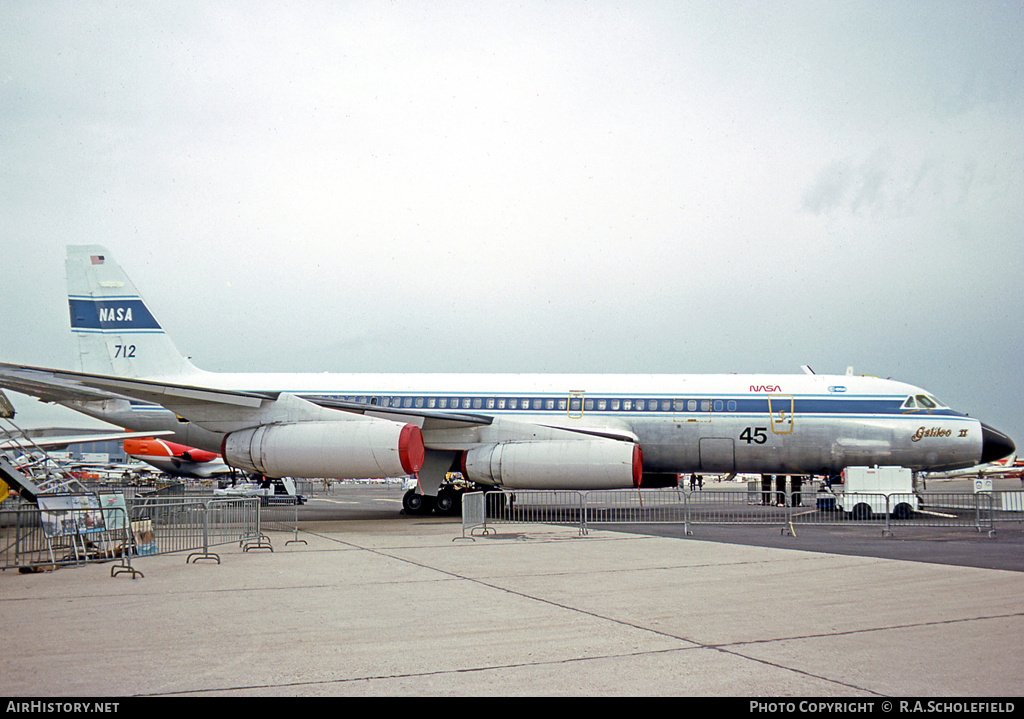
(411, 451)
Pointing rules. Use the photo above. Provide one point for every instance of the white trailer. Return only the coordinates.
(878, 490)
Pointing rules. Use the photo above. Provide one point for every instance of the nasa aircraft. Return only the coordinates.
(515, 431)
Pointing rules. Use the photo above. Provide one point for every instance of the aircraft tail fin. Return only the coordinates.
(117, 334)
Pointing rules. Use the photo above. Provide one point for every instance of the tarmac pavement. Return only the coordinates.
(410, 608)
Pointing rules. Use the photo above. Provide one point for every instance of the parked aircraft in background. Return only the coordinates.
(1011, 467)
(176, 459)
(29, 442)
(26, 453)
(504, 430)
(29, 450)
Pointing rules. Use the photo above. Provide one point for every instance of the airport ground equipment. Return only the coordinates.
(40, 473)
(283, 493)
(270, 492)
(31, 488)
(871, 491)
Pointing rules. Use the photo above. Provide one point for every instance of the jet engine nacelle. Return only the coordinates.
(571, 464)
(354, 449)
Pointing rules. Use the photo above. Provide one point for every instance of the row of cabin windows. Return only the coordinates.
(570, 404)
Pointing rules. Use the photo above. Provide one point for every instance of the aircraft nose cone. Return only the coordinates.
(994, 444)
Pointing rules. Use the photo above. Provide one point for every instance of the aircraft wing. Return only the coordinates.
(226, 411)
(44, 384)
(52, 385)
(57, 385)
(60, 385)
(438, 420)
(434, 422)
(65, 440)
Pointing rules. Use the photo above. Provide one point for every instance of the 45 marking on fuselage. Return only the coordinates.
(757, 435)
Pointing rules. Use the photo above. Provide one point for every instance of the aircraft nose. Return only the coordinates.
(994, 444)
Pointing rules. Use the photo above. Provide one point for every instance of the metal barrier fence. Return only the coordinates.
(50, 537)
(474, 514)
(176, 524)
(282, 518)
(978, 511)
(74, 529)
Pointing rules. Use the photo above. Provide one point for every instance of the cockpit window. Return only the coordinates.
(923, 401)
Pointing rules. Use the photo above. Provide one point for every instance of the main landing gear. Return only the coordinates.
(414, 503)
(447, 503)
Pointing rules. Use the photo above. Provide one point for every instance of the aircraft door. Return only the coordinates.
(717, 454)
(575, 408)
(780, 408)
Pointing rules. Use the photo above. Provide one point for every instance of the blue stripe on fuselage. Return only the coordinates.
(654, 405)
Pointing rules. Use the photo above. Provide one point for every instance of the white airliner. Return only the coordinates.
(506, 430)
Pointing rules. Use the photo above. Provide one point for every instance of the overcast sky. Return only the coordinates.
(530, 187)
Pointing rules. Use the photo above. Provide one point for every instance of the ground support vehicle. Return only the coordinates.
(868, 491)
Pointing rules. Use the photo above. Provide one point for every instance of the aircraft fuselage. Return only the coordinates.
(780, 424)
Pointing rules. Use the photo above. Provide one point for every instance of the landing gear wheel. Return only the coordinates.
(414, 503)
(448, 503)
